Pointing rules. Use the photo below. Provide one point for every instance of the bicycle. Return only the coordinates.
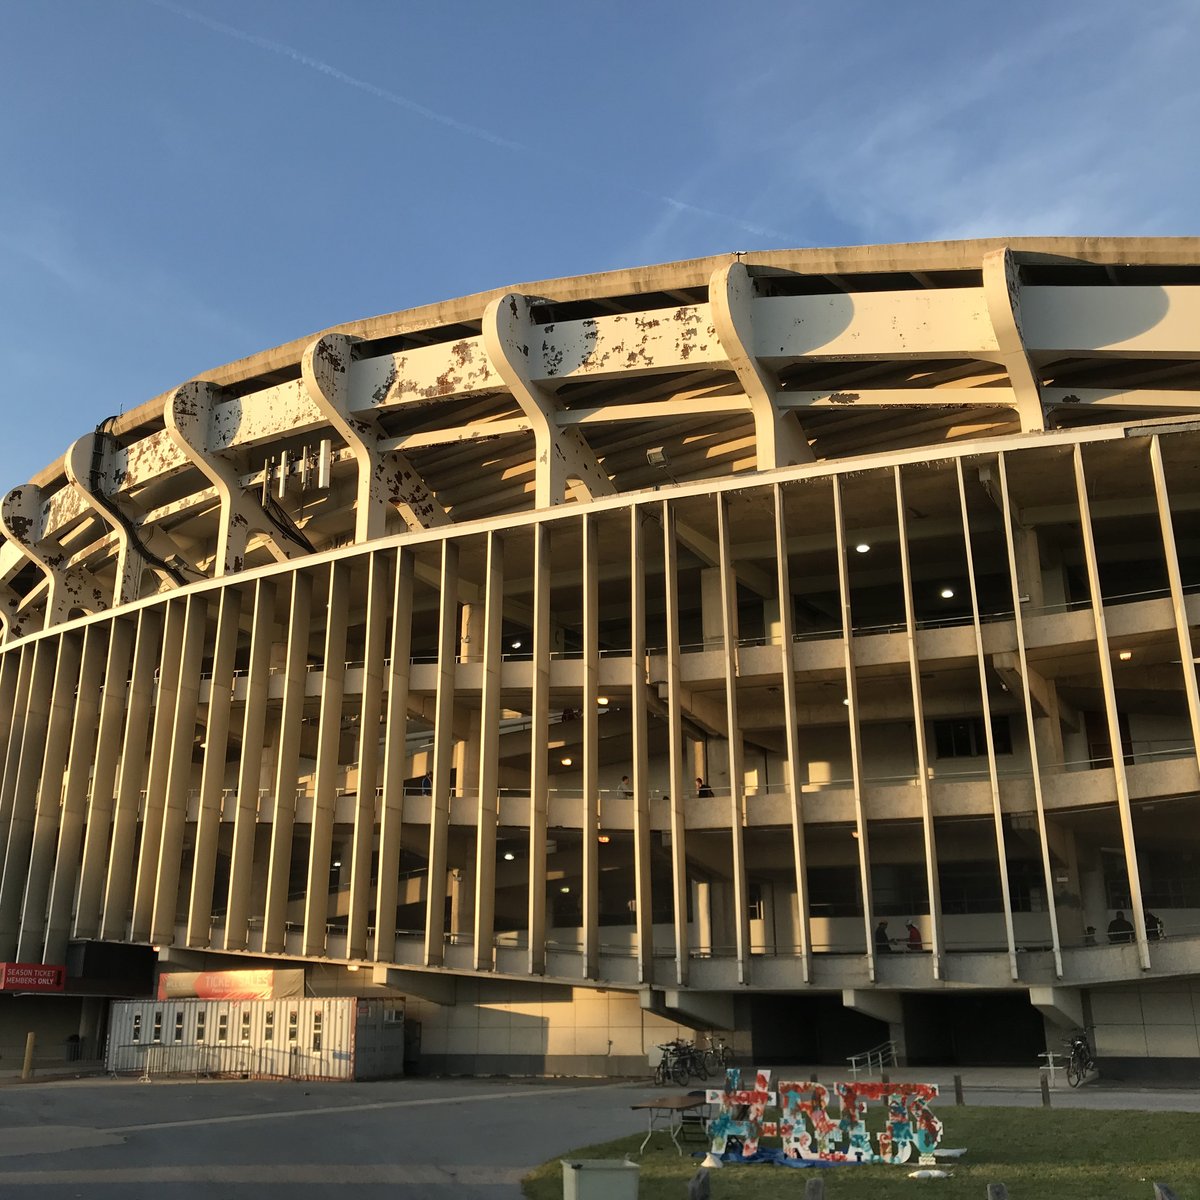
(671, 1066)
(1080, 1060)
(717, 1055)
(679, 1062)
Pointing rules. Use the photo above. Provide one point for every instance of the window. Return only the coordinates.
(137, 1027)
(965, 737)
(245, 1027)
(269, 1027)
(223, 1028)
(318, 1021)
(393, 1016)
(754, 901)
(293, 1025)
(179, 1027)
(201, 1020)
(157, 1027)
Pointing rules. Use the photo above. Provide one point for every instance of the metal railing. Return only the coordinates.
(875, 1059)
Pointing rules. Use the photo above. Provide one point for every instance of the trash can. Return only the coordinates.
(600, 1179)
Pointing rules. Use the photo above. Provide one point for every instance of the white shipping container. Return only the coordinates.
(342, 1037)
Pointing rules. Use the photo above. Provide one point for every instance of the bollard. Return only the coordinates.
(958, 1091)
(997, 1191)
(27, 1065)
(814, 1189)
(1045, 1090)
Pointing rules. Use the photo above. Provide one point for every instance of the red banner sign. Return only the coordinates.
(32, 977)
(218, 985)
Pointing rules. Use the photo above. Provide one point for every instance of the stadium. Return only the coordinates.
(796, 644)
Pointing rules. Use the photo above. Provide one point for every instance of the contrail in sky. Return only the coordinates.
(430, 114)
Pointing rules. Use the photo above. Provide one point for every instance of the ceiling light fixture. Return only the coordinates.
(516, 645)
(602, 700)
(947, 593)
(509, 856)
(1125, 655)
(862, 547)
(566, 762)
(604, 839)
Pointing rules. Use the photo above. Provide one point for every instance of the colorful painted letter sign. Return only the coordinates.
(827, 1123)
(32, 977)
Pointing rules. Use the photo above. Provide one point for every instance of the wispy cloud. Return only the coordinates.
(466, 128)
(46, 243)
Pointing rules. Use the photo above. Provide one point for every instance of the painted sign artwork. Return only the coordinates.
(826, 1122)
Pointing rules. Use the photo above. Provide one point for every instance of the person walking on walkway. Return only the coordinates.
(883, 943)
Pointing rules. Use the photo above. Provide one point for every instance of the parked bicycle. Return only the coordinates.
(1080, 1060)
(680, 1061)
(718, 1055)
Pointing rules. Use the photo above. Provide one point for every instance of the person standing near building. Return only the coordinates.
(914, 937)
(702, 789)
(626, 787)
(883, 943)
(1119, 929)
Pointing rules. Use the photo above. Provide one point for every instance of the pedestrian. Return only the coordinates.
(1154, 926)
(702, 789)
(883, 943)
(626, 787)
(427, 784)
(1119, 929)
(914, 937)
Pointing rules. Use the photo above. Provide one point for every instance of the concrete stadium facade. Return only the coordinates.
(614, 654)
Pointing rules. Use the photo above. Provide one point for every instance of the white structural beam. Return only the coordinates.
(510, 337)
(1002, 291)
(23, 521)
(386, 480)
(779, 440)
(89, 470)
(190, 417)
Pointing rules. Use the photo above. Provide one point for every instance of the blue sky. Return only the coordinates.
(187, 183)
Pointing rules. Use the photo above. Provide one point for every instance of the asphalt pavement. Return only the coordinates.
(436, 1138)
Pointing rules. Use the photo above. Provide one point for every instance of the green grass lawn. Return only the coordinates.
(1039, 1154)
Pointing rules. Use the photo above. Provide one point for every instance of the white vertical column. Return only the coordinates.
(16, 730)
(591, 748)
(856, 768)
(287, 763)
(487, 808)
(443, 747)
(212, 772)
(329, 740)
(102, 796)
(1178, 603)
(395, 760)
(737, 773)
(792, 734)
(71, 694)
(370, 714)
(155, 797)
(932, 881)
(51, 699)
(119, 881)
(1124, 811)
(249, 778)
(81, 754)
(985, 700)
(539, 735)
(678, 815)
(179, 771)
(638, 716)
(1027, 701)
